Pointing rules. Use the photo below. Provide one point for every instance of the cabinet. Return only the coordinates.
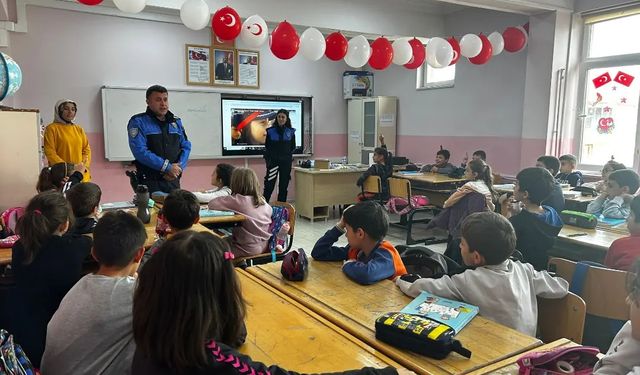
(367, 119)
(21, 151)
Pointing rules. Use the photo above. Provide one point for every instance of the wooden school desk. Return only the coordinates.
(437, 186)
(578, 244)
(509, 365)
(281, 331)
(5, 256)
(318, 189)
(355, 307)
(578, 203)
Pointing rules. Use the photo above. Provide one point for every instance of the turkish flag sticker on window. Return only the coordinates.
(624, 78)
(602, 80)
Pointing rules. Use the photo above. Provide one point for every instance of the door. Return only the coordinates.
(608, 115)
(354, 130)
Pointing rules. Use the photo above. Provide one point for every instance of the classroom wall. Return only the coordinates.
(483, 111)
(87, 51)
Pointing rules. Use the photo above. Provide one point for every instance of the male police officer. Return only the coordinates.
(158, 143)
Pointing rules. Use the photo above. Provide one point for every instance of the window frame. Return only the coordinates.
(421, 77)
(587, 63)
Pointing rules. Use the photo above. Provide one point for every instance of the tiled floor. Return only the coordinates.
(306, 233)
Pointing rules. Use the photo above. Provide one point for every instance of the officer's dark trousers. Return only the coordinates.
(277, 168)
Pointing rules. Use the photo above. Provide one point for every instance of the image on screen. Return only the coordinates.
(245, 123)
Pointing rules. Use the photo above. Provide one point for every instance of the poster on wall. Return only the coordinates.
(224, 72)
(198, 65)
(249, 69)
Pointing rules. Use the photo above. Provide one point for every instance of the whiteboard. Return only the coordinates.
(199, 111)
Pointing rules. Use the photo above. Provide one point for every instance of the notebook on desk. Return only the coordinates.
(409, 173)
(607, 222)
(117, 205)
(205, 212)
(455, 314)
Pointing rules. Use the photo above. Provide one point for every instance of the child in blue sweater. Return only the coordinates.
(368, 258)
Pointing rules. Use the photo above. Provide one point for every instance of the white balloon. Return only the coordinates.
(470, 45)
(195, 14)
(402, 51)
(312, 44)
(439, 53)
(358, 53)
(130, 6)
(497, 43)
(254, 31)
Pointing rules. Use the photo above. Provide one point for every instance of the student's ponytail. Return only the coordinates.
(483, 172)
(44, 214)
(52, 178)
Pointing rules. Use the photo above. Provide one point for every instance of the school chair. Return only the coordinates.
(372, 189)
(561, 318)
(497, 178)
(267, 257)
(604, 291)
(401, 188)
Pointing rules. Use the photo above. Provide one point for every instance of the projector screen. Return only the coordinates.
(245, 123)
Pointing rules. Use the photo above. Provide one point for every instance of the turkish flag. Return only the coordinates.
(602, 80)
(624, 78)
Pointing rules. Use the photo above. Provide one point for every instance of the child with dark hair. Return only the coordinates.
(610, 167)
(556, 198)
(614, 201)
(180, 211)
(504, 290)
(567, 174)
(60, 177)
(85, 204)
(221, 179)
(536, 225)
(182, 338)
(623, 356)
(91, 332)
(624, 251)
(368, 258)
(480, 181)
(46, 263)
(381, 167)
(441, 165)
(477, 155)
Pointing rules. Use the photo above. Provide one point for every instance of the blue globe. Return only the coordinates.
(10, 76)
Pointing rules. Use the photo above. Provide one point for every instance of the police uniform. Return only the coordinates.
(156, 145)
(278, 153)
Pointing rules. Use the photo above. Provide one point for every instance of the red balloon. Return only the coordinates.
(485, 52)
(419, 53)
(456, 50)
(285, 41)
(514, 39)
(226, 23)
(337, 46)
(381, 54)
(90, 2)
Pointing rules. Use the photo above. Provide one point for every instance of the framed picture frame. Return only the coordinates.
(198, 65)
(248, 69)
(224, 67)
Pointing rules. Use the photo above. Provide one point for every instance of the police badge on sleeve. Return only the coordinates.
(133, 132)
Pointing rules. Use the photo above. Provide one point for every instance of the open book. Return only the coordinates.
(455, 314)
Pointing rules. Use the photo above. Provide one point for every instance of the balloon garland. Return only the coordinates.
(285, 43)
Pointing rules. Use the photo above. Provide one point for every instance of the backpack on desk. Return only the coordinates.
(577, 360)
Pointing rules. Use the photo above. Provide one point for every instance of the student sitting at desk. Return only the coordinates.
(85, 204)
(624, 251)
(179, 212)
(200, 334)
(60, 177)
(480, 180)
(368, 258)
(442, 164)
(504, 290)
(614, 201)
(607, 169)
(91, 332)
(477, 155)
(221, 179)
(537, 226)
(552, 164)
(382, 168)
(623, 356)
(567, 174)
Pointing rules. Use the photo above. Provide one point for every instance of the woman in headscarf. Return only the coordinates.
(65, 141)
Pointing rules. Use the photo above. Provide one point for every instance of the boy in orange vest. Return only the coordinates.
(367, 258)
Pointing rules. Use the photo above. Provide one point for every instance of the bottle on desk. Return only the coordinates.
(142, 202)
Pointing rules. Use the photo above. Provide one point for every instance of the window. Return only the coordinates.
(610, 93)
(432, 78)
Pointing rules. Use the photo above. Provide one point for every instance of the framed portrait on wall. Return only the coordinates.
(224, 72)
(248, 69)
(198, 66)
